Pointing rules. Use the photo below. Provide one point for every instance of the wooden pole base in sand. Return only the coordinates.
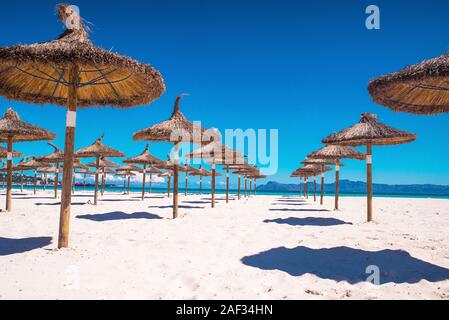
(322, 190)
(66, 196)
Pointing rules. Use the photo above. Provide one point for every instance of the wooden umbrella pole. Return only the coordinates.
(168, 186)
(322, 188)
(84, 182)
(56, 182)
(186, 183)
(246, 186)
(73, 181)
(43, 181)
(21, 182)
(176, 182)
(69, 151)
(213, 186)
(239, 188)
(307, 187)
(369, 181)
(9, 179)
(97, 165)
(337, 180)
(144, 180)
(314, 188)
(103, 181)
(129, 183)
(300, 187)
(151, 179)
(35, 181)
(250, 188)
(124, 184)
(175, 190)
(227, 184)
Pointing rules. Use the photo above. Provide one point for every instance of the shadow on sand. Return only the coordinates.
(300, 210)
(179, 206)
(14, 246)
(290, 204)
(348, 264)
(113, 216)
(59, 203)
(318, 222)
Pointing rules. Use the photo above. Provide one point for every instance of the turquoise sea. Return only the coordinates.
(135, 189)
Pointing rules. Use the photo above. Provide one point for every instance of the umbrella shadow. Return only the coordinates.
(59, 203)
(180, 207)
(349, 265)
(117, 200)
(196, 202)
(118, 215)
(290, 204)
(14, 246)
(300, 210)
(318, 222)
(34, 198)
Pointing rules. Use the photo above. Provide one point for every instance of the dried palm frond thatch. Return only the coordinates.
(39, 73)
(99, 149)
(419, 89)
(4, 153)
(370, 131)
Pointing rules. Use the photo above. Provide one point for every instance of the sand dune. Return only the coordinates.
(271, 247)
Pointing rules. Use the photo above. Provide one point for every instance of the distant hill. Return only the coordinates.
(347, 186)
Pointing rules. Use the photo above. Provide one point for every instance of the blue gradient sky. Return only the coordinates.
(300, 67)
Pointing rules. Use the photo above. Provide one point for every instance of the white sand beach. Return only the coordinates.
(269, 247)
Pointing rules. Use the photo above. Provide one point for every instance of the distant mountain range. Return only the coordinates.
(347, 186)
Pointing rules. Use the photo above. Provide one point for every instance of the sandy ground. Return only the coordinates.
(271, 247)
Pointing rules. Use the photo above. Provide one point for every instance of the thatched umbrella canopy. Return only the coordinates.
(422, 88)
(312, 170)
(336, 153)
(105, 165)
(129, 167)
(176, 130)
(370, 132)
(12, 130)
(54, 158)
(201, 172)
(146, 159)
(71, 72)
(257, 177)
(219, 154)
(30, 163)
(98, 150)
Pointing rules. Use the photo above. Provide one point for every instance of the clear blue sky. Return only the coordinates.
(300, 67)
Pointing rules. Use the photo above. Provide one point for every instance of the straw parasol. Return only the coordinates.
(219, 154)
(189, 171)
(30, 163)
(312, 170)
(422, 88)
(71, 72)
(322, 163)
(201, 172)
(54, 158)
(168, 174)
(104, 164)
(147, 160)
(12, 130)
(126, 175)
(98, 150)
(246, 171)
(336, 153)
(370, 132)
(175, 130)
